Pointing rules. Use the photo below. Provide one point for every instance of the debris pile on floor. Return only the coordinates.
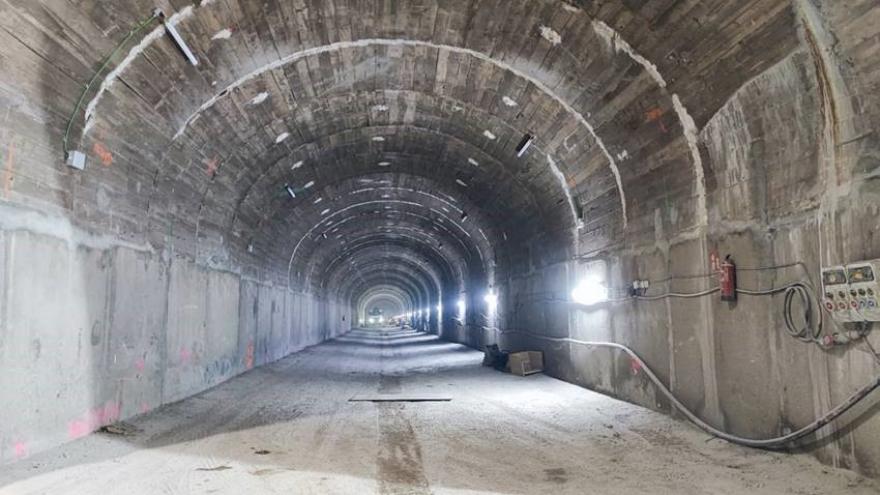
(495, 357)
(519, 363)
(121, 428)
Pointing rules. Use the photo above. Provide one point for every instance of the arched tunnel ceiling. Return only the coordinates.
(396, 125)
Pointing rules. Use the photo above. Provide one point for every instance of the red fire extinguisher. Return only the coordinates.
(727, 279)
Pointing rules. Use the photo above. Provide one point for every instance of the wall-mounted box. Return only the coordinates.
(850, 293)
(76, 159)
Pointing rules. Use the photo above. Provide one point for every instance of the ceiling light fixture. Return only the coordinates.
(178, 39)
(290, 191)
(524, 145)
(464, 216)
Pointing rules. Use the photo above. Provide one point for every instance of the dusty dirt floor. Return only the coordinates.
(289, 428)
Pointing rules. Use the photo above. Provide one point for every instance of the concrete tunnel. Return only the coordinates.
(260, 246)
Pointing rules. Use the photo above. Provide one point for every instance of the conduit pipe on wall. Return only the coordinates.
(782, 442)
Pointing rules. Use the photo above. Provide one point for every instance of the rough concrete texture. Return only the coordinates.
(326, 154)
(499, 434)
(92, 336)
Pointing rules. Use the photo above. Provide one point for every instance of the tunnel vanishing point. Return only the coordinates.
(676, 201)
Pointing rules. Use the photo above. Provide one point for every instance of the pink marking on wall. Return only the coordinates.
(9, 172)
(78, 428)
(93, 419)
(20, 449)
(145, 407)
(211, 166)
(634, 367)
(140, 364)
(111, 413)
(185, 355)
(249, 356)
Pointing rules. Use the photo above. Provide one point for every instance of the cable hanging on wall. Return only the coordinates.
(780, 442)
(807, 328)
(77, 159)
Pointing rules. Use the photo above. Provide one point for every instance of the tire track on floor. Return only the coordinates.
(399, 457)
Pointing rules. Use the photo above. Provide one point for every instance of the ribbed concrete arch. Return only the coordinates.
(362, 274)
(396, 305)
(291, 58)
(381, 247)
(300, 162)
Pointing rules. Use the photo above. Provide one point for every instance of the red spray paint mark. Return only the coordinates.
(185, 355)
(634, 367)
(714, 261)
(8, 177)
(20, 449)
(654, 115)
(103, 154)
(145, 407)
(249, 356)
(140, 364)
(211, 166)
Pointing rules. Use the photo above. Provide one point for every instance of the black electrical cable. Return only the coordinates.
(705, 275)
(809, 332)
(781, 442)
(873, 350)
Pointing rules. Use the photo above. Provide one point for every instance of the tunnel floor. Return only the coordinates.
(290, 427)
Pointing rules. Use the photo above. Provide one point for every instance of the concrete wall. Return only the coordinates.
(792, 176)
(92, 332)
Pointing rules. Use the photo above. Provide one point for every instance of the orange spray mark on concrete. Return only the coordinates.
(249, 356)
(8, 171)
(654, 115)
(103, 154)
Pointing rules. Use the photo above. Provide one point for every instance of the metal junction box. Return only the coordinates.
(851, 293)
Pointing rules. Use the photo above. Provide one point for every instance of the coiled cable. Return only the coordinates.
(808, 332)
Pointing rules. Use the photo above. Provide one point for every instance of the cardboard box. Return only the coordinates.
(525, 363)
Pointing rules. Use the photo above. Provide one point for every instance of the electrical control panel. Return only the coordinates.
(851, 293)
(864, 289)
